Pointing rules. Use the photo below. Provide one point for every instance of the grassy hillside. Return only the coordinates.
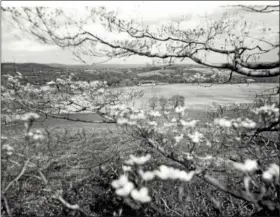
(118, 74)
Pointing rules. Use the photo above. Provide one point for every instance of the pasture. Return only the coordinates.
(199, 97)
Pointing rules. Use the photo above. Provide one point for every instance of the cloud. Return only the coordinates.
(148, 12)
(25, 45)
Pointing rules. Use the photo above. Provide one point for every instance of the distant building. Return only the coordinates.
(147, 83)
(90, 71)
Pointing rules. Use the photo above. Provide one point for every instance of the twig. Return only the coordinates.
(18, 176)
(165, 204)
(229, 79)
(70, 206)
(7, 206)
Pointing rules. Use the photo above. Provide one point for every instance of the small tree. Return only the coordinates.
(153, 102)
(163, 102)
(177, 100)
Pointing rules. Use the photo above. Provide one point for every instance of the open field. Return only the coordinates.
(201, 96)
(197, 97)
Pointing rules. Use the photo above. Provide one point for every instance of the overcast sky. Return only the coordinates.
(18, 49)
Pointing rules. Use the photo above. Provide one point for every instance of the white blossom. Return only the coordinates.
(125, 190)
(95, 83)
(169, 124)
(19, 74)
(45, 88)
(138, 160)
(208, 143)
(30, 116)
(148, 175)
(178, 138)
(9, 149)
(189, 123)
(138, 116)
(126, 168)
(269, 109)
(152, 123)
(4, 137)
(59, 80)
(12, 80)
(223, 122)
(196, 136)
(123, 186)
(184, 176)
(50, 83)
(101, 90)
(154, 113)
(38, 135)
(142, 195)
(131, 123)
(272, 171)
(165, 172)
(207, 157)
(267, 175)
(247, 123)
(123, 179)
(122, 121)
(248, 166)
(180, 109)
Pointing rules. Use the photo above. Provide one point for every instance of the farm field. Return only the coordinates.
(198, 99)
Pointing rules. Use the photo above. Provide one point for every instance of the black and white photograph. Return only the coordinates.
(140, 108)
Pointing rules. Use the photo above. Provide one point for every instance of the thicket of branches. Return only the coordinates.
(172, 41)
(197, 150)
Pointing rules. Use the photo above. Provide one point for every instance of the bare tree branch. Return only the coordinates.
(190, 43)
(260, 9)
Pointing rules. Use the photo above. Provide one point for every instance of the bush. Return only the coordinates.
(177, 100)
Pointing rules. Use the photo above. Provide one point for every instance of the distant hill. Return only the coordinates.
(151, 73)
(114, 72)
(64, 66)
(116, 66)
(10, 65)
(24, 67)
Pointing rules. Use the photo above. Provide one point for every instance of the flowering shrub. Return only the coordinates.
(62, 96)
(201, 150)
(164, 130)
